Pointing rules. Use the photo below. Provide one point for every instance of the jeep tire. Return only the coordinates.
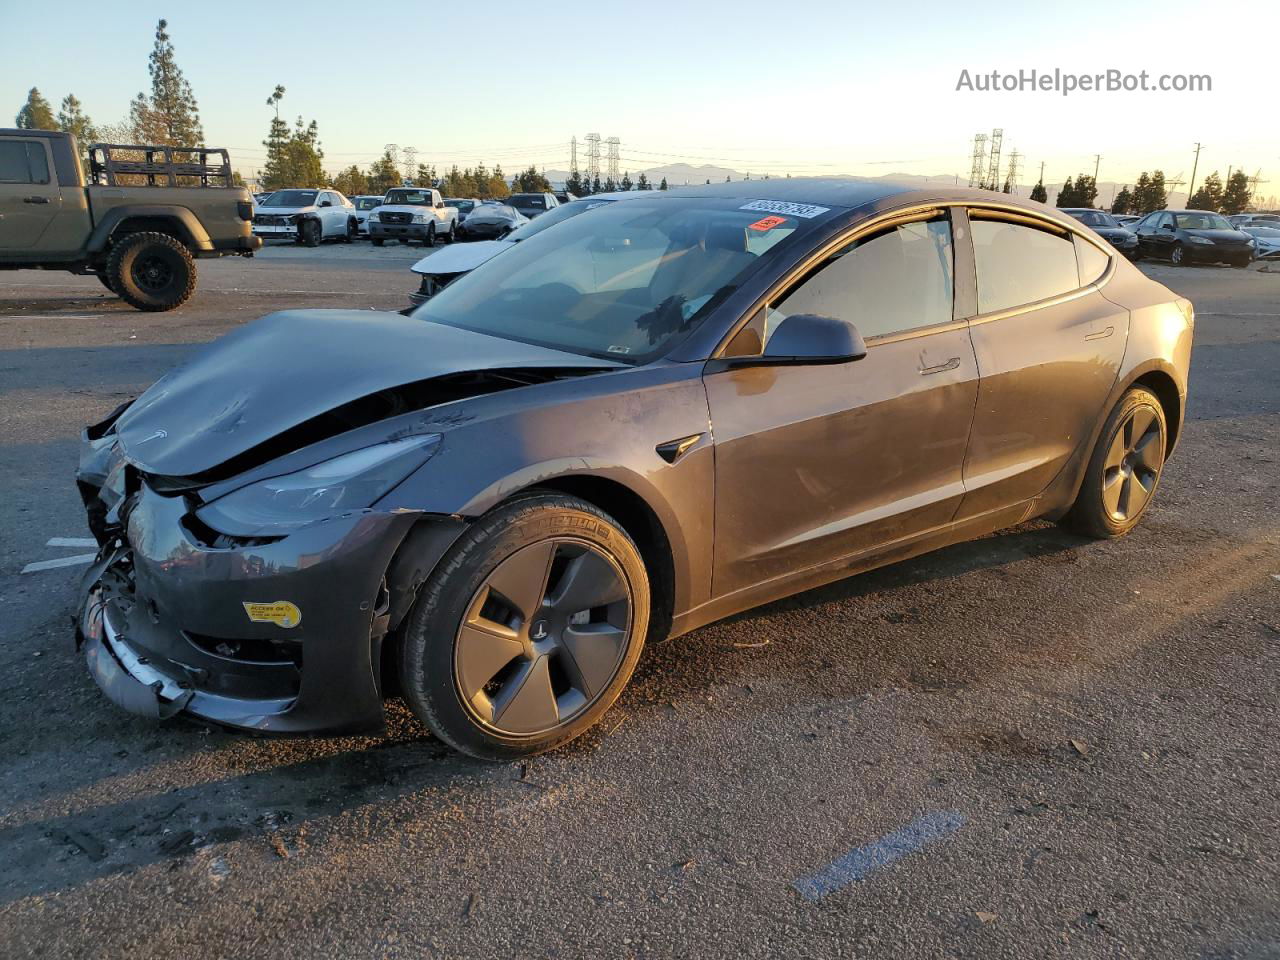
(151, 271)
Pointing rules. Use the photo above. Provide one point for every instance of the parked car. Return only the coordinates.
(1244, 219)
(637, 422)
(308, 216)
(363, 204)
(464, 206)
(532, 204)
(141, 242)
(412, 213)
(1266, 239)
(1192, 236)
(1126, 219)
(493, 221)
(440, 269)
(1106, 226)
(564, 196)
(259, 197)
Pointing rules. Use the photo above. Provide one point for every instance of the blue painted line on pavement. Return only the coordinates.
(862, 861)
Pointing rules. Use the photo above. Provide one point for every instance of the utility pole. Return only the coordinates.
(1192, 188)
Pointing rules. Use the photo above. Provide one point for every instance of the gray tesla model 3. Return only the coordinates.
(648, 417)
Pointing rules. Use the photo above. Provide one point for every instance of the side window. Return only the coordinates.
(1020, 264)
(1166, 220)
(1092, 262)
(23, 161)
(898, 279)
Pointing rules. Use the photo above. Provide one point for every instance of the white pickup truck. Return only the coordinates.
(412, 213)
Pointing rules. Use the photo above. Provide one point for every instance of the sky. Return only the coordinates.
(799, 87)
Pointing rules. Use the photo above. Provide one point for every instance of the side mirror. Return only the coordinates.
(326, 203)
(807, 338)
(1167, 226)
(440, 205)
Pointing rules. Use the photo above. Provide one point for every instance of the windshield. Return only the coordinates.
(368, 203)
(1202, 221)
(414, 198)
(291, 198)
(464, 206)
(561, 213)
(625, 283)
(1096, 218)
(1263, 231)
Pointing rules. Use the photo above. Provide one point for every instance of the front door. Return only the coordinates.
(819, 462)
(29, 197)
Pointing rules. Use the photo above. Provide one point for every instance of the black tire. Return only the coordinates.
(1240, 264)
(352, 230)
(1177, 257)
(105, 281)
(1090, 515)
(452, 236)
(151, 271)
(310, 233)
(429, 654)
(377, 241)
(430, 239)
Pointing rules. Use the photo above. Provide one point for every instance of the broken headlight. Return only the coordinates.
(352, 481)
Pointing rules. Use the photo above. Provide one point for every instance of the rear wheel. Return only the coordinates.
(528, 630)
(1125, 468)
(151, 271)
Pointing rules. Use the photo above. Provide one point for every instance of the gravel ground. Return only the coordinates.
(1028, 745)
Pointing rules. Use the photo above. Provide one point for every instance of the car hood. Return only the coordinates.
(284, 211)
(290, 368)
(1218, 236)
(461, 258)
(1119, 232)
(403, 208)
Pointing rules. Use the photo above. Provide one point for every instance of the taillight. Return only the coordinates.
(245, 209)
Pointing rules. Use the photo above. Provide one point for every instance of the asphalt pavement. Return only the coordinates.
(1031, 745)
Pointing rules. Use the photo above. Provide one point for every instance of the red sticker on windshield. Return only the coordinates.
(768, 223)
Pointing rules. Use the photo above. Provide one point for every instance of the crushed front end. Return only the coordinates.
(275, 633)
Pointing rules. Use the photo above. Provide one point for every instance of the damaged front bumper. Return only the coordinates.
(280, 635)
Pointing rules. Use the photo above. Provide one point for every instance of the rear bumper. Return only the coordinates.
(279, 637)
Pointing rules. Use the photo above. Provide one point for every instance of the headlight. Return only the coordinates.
(1203, 241)
(352, 481)
(419, 218)
(374, 216)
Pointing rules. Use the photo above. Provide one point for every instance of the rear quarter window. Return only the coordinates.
(1091, 261)
(1020, 264)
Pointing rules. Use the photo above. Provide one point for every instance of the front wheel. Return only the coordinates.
(1176, 255)
(309, 233)
(352, 230)
(528, 630)
(430, 240)
(1125, 468)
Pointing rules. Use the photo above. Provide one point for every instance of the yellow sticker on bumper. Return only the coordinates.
(280, 612)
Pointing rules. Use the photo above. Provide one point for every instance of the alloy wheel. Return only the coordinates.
(1176, 254)
(1132, 467)
(152, 273)
(543, 637)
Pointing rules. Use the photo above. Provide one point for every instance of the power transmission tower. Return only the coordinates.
(1253, 187)
(410, 155)
(593, 156)
(573, 155)
(979, 159)
(1011, 178)
(613, 144)
(993, 167)
(393, 151)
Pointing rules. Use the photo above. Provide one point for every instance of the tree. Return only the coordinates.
(1235, 198)
(574, 183)
(595, 184)
(351, 182)
(1209, 196)
(642, 182)
(1123, 201)
(1086, 191)
(72, 120)
(663, 184)
(383, 174)
(172, 101)
(425, 176)
(36, 114)
(274, 174)
(530, 181)
(1157, 198)
(1067, 195)
(303, 155)
(1039, 193)
(626, 183)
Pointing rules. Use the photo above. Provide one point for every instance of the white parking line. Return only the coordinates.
(60, 562)
(52, 316)
(71, 542)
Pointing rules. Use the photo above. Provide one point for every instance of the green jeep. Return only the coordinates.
(145, 215)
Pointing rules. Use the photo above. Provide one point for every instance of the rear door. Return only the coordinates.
(1049, 347)
(30, 198)
(818, 462)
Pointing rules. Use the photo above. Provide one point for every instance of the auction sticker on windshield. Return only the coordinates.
(806, 210)
(767, 223)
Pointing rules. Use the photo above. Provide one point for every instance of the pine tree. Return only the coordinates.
(626, 183)
(383, 174)
(595, 184)
(1158, 198)
(72, 120)
(663, 184)
(351, 182)
(642, 182)
(1142, 194)
(1067, 195)
(574, 183)
(303, 155)
(274, 174)
(171, 98)
(1123, 201)
(1235, 198)
(1086, 191)
(1209, 196)
(1039, 193)
(36, 114)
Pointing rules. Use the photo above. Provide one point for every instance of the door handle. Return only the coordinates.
(35, 200)
(940, 368)
(1101, 334)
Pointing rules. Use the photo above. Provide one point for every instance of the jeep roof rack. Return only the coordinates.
(198, 166)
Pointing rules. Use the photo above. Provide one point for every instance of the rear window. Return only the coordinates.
(23, 161)
(1020, 264)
